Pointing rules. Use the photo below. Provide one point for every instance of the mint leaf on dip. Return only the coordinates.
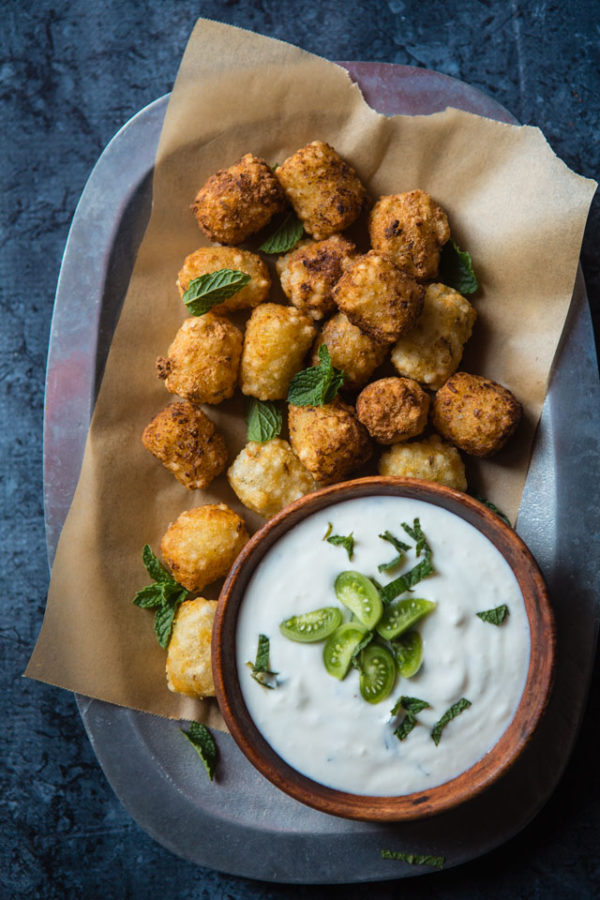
(494, 616)
(454, 711)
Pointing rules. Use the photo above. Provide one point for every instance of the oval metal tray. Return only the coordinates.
(241, 824)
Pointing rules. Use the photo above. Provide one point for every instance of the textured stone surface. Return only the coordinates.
(71, 73)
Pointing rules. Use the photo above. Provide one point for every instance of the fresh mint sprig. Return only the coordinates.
(285, 237)
(164, 596)
(213, 288)
(316, 385)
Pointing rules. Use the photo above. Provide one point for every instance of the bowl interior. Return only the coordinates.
(423, 803)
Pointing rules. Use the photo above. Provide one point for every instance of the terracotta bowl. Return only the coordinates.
(434, 800)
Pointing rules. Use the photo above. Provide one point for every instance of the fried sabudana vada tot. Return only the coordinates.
(203, 361)
(211, 259)
(309, 272)
(329, 440)
(275, 344)
(268, 476)
(432, 350)
(476, 414)
(238, 201)
(411, 229)
(431, 458)
(187, 443)
(393, 409)
(202, 543)
(325, 191)
(189, 669)
(351, 350)
(378, 298)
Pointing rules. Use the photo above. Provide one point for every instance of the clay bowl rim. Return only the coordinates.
(481, 774)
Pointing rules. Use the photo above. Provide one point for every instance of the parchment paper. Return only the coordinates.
(510, 201)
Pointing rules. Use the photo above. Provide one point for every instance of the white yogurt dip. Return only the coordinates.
(322, 726)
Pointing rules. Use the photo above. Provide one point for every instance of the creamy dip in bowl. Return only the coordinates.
(337, 725)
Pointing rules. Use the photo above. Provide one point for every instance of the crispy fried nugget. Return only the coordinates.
(238, 201)
(432, 350)
(211, 259)
(266, 477)
(410, 228)
(187, 443)
(378, 298)
(324, 190)
(276, 341)
(329, 440)
(475, 413)
(393, 409)
(189, 669)
(357, 354)
(203, 360)
(309, 273)
(431, 458)
(202, 543)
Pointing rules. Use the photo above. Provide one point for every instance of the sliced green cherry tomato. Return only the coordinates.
(408, 650)
(312, 626)
(359, 594)
(377, 673)
(399, 617)
(340, 647)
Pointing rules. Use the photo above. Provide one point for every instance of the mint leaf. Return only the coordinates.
(454, 711)
(204, 744)
(316, 385)
(493, 508)
(407, 581)
(342, 540)
(285, 237)
(400, 546)
(154, 567)
(416, 533)
(260, 669)
(413, 704)
(406, 726)
(264, 420)
(165, 616)
(149, 597)
(415, 859)
(494, 616)
(213, 288)
(456, 269)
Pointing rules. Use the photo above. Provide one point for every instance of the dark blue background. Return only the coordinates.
(72, 72)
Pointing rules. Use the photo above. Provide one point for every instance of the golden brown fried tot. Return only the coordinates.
(432, 350)
(410, 228)
(276, 341)
(357, 354)
(329, 440)
(309, 273)
(189, 669)
(187, 443)
(476, 414)
(238, 201)
(266, 477)
(431, 458)
(211, 259)
(393, 409)
(202, 543)
(203, 360)
(378, 298)
(324, 190)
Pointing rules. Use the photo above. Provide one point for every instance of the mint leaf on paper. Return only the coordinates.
(456, 269)
(493, 508)
(316, 385)
(204, 744)
(415, 859)
(494, 616)
(260, 669)
(264, 420)
(164, 596)
(454, 711)
(213, 288)
(285, 237)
